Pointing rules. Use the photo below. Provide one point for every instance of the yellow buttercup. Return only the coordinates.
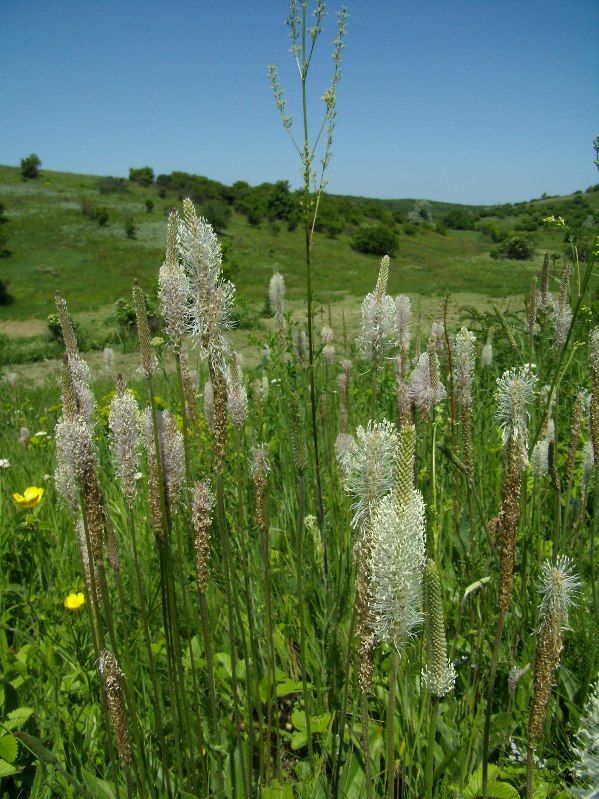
(31, 497)
(75, 601)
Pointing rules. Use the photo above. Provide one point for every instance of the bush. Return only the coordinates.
(518, 248)
(130, 228)
(30, 167)
(375, 240)
(143, 175)
(218, 214)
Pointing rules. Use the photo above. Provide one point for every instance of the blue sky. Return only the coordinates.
(474, 101)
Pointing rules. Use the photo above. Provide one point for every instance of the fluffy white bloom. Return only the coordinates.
(423, 392)
(370, 468)
(558, 586)
(397, 563)
(345, 446)
(539, 460)
(378, 335)
(211, 295)
(486, 357)
(403, 309)
(464, 364)
(173, 287)
(515, 391)
(123, 420)
(276, 296)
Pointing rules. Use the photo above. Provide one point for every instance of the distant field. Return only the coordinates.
(55, 246)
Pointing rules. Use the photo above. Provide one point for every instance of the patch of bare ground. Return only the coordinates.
(23, 328)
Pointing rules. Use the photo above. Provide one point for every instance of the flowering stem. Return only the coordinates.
(430, 752)
(488, 709)
(390, 755)
(300, 601)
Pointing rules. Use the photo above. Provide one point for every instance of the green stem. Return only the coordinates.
(390, 755)
(430, 752)
(488, 709)
(302, 620)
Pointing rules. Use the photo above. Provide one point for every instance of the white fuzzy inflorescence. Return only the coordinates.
(465, 343)
(369, 467)
(211, 303)
(403, 309)
(515, 392)
(378, 335)
(397, 563)
(123, 421)
(173, 288)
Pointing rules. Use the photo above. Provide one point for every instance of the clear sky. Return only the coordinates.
(473, 101)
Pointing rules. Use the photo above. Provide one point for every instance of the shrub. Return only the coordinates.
(375, 240)
(30, 167)
(130, 228)
(518, 248)
(143, 175)
(149, 206)
(217, 213)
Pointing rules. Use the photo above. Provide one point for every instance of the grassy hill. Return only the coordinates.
(56, 242)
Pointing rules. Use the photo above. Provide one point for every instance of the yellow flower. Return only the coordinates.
(31, 497)
(74, 601)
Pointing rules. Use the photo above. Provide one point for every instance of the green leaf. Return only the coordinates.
(99, 789)
(17, 718)
(6, 769)
(502, 790)
(8, 748)
(276, 791)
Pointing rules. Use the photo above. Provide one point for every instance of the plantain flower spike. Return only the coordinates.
(211, 295)
(173, 287)
(587, 749)
(123, 422)
(439, 674)
(379, 335)
(515, 391)
(398, 552)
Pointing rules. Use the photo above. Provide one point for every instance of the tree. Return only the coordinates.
(30, 167)
(144, 175)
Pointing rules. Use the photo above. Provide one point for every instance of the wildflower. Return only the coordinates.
(514, 393)
(369, 465)
(439, 674)
(562, 313)
(398, 553)
(236, 394)
(403, 309)
(211, 295)
(108, 358)
(24, 436)
(464, 364)
(425, 391)
(276, 295)
(559, 585)
(173, 288)
(540, 458)
(112, 677)
(438, 337)
(124, 445)
(201, 516)
(4, 463)
(378, 320)
(554, 221)
(486, 357)
(75, 601)
(31, 497)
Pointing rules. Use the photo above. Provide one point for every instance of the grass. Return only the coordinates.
(54, 246)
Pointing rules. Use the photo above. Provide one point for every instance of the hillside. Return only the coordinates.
(69, 232)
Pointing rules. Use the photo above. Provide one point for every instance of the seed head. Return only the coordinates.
(403, 309)
(123, 419)
(515, 391)
(439, 674)
(173, 288)
(378, 335)
(465, 342)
